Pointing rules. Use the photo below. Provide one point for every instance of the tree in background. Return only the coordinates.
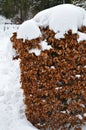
(81, 3)
(68, 1)
(11, 8)
(23, 7)
(39, 5)
(26, 9)
(7, 8)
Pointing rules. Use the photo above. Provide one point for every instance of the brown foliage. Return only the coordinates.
(54, 96)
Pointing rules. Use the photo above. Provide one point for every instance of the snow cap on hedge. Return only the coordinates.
(61, 18)
(28, 30)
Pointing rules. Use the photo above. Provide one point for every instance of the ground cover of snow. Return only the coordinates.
(11, 97)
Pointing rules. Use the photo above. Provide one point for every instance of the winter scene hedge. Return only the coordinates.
(52, 52)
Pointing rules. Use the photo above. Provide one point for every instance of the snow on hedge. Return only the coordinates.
(28, 30)
(44, 46)
(82, 36)
(60, 19)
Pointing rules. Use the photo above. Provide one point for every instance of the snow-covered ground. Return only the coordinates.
(11, 96)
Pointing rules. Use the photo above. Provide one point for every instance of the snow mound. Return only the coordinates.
(61, 18)
(28, 30)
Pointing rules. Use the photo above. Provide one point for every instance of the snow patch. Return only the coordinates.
(82, 36)
(78, 75)
(84, 114)
(58, 88)
(63, 112)
(85, 66)
(52, 67)
(36, 51)
(79, 116)
(82, 105)
(59, 35)
(45, 45)
(28, 30)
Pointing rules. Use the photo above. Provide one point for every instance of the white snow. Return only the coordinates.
(58, 88)
(44, 46)
(78, 75)
(84, 21)
(8, 29)
(79, 116)
(28, 30)
(59, 35)
(53, 67)
(84, 114)
(82, 36)
(82, 105)
(12, 108)
(61, 18)
(36, 51)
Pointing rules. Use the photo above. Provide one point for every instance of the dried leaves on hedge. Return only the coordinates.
(54, 83)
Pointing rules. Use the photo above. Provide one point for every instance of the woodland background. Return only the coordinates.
(21, 10)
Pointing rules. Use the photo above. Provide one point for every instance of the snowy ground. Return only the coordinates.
(11, 97)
